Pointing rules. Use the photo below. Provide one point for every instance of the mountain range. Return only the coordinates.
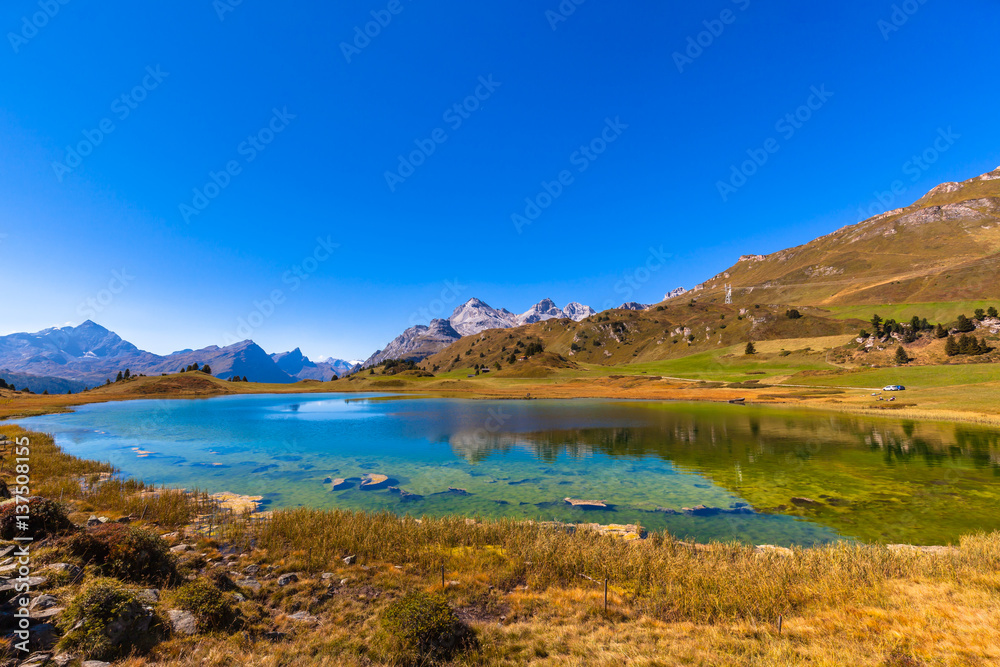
(89, 354)
(472, 317)
(944, 247)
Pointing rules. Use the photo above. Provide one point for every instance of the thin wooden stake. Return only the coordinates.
(605, 596)
(780, 620)
(309, 567)
(442, 576)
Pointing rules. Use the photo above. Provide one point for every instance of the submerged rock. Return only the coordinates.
(587, 504)
(371, 481)
(405, 495)
(337, 484)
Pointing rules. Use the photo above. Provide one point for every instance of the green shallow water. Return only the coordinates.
(654, 463)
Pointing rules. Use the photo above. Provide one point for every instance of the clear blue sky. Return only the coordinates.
(207, 84)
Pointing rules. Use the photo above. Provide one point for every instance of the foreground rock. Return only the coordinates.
(183, 622)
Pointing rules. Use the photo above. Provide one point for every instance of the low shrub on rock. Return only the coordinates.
(213, 608)
(421, 627)
(125, 552)
(109, 620)
(45, 517)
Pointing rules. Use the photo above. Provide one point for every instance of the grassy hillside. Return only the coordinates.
(944, 247)
(660, 338)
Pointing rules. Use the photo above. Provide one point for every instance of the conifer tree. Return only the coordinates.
(901, 356)
(750, 348)
(951, 347)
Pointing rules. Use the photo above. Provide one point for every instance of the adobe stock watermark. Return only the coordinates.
(581, 159)
(293, 278)
(248, 149)
(31, 24)
(634, 279)
(455, 116)
(697, 44)
(364, 34)
(562, 13)
(914, 168)
(442, 305)
(121, 108)
(223, 7)
(900, 15)
(787, 127)
(93, 305)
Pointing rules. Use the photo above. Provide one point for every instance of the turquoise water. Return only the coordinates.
(652, 462)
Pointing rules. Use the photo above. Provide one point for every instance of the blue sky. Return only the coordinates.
(186, 173)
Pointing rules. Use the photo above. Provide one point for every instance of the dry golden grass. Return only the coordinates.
(908, 609)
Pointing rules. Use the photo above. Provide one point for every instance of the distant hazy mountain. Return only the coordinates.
(38, 383)
(301, 367)
(89, 353)
(472, 317)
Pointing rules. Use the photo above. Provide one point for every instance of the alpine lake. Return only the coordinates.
(702, 471)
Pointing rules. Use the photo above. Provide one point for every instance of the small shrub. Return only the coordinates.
(125, 552)
(108, 620)
(205, 600)
(424, 626)
(45, 517)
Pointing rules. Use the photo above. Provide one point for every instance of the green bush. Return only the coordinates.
(205, 600)
(108, 620)
(45, 517)
(423, 626)
(125, 552)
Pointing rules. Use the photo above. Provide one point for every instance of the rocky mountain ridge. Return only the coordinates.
(472, 317)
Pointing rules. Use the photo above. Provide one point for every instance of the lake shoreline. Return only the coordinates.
(832, 398)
